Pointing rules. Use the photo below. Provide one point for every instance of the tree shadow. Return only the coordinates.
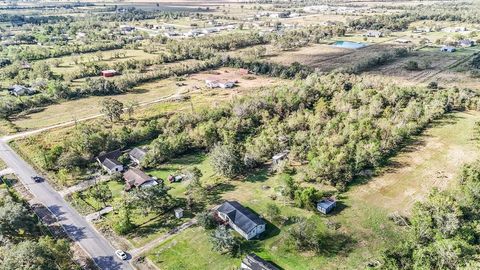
(108, 263)
(57, 212)
(214, 193)
(258, 175)
(333, 244)
(75, 232)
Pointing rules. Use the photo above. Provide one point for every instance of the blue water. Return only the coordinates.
(349, 44)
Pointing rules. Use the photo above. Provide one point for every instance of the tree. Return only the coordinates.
(101, 192)
(223, 241)
(196, 194)
(130, 108)
(273, 212)
(112, 109)
(124, 224)
(411, 65)
(153, 199)
(206, 220)
(226, 160)
(15, 220)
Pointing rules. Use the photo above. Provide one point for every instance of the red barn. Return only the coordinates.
(108, 73)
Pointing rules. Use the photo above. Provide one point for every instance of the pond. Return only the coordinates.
(349, 44)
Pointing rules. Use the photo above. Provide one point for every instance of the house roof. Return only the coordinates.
(135, 177)
(109, 159)
(137, 153)
(256, 263)
(243, 218)
(325, 203)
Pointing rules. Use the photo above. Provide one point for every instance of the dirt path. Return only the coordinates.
(152, 244)
(432, 161)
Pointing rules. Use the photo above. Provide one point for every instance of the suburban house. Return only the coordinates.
(253, 262)
(326, 205)
(137, 154)
(446, 48)
(402, 41)
(213, 83)
(280, 157)
(109, 161)
(20, 90)
(108, 73)
(373, 33)
(136, 178)
(242, 220)
(466, 43)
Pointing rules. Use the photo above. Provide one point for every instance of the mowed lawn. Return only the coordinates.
(431, 160)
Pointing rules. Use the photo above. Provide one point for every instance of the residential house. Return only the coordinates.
(136, 178)
(373, 33)
(20, 90)
(108, 73)
(242, 220)
(326, 205)
(213, 83)
(403, 41)
(137, 155)
(447, 48)
(109, 161)
(126, 28)
(466, 43)
(253, 262)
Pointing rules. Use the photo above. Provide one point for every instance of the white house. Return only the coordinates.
(242, 220)
(109, 161)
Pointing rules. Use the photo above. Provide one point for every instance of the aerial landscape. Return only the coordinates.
(228, 134)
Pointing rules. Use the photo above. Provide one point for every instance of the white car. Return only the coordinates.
(121, 254)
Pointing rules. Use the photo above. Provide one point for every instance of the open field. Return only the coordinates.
(85, 107)
(432, 161)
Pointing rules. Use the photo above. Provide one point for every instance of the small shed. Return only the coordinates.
(326, 205)
(108, 73)
(448, 49)
(280, 157)
(178, 212)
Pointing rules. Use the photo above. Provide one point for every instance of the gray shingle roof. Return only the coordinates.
(109, 159)
(253, 262)
(137, 153)
(243, 218)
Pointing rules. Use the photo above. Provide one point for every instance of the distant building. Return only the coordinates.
(108, 73)
(276, 159)
(373, 33)
(466, 43)
(446, 48)
(213, 83)
(403, 41)
(109, 161)
(326, 205)
(136, 178)
(20, 90)
(242, 220)
(137, 154)
(253, 262)
(126, 28)
(178, 212)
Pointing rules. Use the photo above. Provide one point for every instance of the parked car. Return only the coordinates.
(121, 254)
(37, 179)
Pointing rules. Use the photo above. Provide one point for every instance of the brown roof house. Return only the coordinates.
(136, 178)
(109, 161)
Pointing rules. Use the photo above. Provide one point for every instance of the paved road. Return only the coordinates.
(74, 224)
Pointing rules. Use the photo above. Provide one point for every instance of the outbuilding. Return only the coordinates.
(108, 73)
(136, 178)
(448, 49)
(326, 205)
